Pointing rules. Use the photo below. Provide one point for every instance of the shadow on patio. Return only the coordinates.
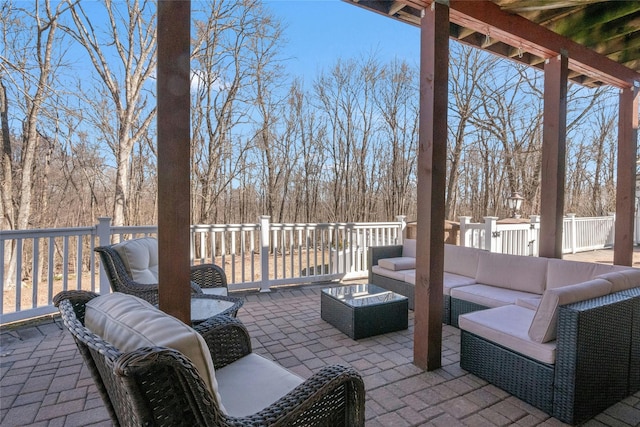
(44, 382)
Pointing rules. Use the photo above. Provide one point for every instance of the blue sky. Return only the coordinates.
(319, 32)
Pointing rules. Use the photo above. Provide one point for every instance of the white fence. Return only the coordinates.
(579, 234)
(37, 264)
(254, 256)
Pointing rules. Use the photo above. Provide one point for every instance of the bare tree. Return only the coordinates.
(122, 51)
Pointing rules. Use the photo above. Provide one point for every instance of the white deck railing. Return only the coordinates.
(579, 234)
(254, 256)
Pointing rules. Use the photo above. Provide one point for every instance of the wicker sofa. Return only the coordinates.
(152, 369)
(561, 335)
(475, 279)
(574, 356)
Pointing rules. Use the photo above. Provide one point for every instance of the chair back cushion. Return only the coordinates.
(140, 257)
(520, 273)
(129, 323)
(544, 326)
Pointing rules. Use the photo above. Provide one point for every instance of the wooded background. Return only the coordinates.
(77, 106)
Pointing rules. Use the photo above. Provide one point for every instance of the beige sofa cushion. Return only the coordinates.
(398, 263)
(563, 272)
(461, 260)
(409, 276)
(452, 280)
(489, 296)
(409, 248)
(544, 325)
(392, 274)
(521, 273)
(252, 383)
(531, 303)
(622, 280)
(129, 323)
(140, 257)
(508, 326)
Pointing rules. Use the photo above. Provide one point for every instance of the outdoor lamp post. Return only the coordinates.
(515, 202)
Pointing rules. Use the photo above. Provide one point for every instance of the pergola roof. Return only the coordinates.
(609, 28)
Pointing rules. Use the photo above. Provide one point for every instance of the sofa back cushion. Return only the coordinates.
(562, 272)
(521, 273)
(623, 280)
(409, 248)
(461, 260)
(544, 326)
(140, 257)
(129, 323)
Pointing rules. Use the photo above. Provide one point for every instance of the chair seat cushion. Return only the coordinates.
(252, 383)
(489, 296)
(129, 323)
(398, 263)
(214, 291)
(508, 326)
(140, 258)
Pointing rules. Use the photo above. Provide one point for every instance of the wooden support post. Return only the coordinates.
(174, 206)
(626, 177)
(554, 153)
(434, 59)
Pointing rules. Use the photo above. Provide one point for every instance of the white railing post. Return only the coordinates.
(492, 240)
(612, 230)
(464, 231)
(402, 219)
(265, 234)
(534, 235)
(103, 231)
(573, 230)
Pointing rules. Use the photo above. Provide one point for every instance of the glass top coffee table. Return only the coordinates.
(365, 310)
(204, 306)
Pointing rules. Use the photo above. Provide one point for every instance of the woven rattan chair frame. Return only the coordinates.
(202, 276)
(160, 387)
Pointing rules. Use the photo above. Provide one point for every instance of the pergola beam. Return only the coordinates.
(432, 162)
(554, 153)
(174, 133)
(626, 177)
(486, 17)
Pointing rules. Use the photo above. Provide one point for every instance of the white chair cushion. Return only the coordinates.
(129, 323)
(508, 326)
(452, 280)
(521, 273)
(252, 383)
(215, 291)
(623, 280)
(489, 296)
(409, 248)
(544, 326)
(140, 257)
(398, 263)
(563, 272)
(461, 260)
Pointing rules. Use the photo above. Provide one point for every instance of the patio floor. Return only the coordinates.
(43, 381)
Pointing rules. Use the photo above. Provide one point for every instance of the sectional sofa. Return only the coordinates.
(561, 335)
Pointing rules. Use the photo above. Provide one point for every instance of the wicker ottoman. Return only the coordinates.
(362, 311)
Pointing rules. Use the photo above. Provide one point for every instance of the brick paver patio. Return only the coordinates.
(43, 381)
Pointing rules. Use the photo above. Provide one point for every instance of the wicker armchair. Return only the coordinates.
(202, 277)
(159, 386)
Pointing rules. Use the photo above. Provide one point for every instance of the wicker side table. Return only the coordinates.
(362, 311)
